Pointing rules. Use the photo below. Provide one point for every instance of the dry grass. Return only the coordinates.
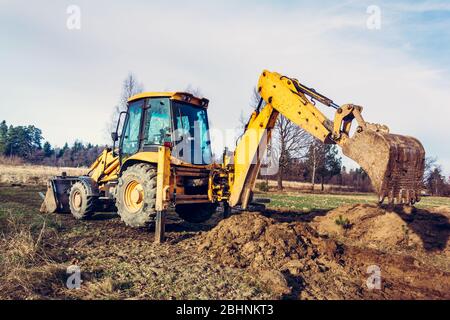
(33, 174)
(116, 262)
(25, 268)
(11, 161)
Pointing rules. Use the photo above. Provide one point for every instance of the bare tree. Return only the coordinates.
(314, 160)
(196, 92)
(430, 165)
(130, 87)
(322, 161)
(289, 141)
(244, 118)
(435, 181)
(254, 102)
(255, 98)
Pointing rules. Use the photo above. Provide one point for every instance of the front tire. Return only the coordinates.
(136, 195)
(81, 205)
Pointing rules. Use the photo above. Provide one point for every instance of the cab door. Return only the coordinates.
(130, 142)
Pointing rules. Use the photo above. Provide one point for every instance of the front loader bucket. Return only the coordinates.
(57, 195)
(49, 204)
(394, 163)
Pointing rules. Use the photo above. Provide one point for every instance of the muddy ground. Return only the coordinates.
(251, 255)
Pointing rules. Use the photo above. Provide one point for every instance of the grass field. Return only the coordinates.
(33, 174)
(310, 202)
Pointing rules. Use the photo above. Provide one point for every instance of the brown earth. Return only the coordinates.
(247, 256)
(322, 260)
(387, 228)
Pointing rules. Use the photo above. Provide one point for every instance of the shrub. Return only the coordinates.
(263, 186)
(343, 222)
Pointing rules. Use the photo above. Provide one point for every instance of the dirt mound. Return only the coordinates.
(282, 255)
(252, 240)
(375, 227)
(296, 261)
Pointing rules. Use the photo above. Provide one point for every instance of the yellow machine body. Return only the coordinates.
(394, 163)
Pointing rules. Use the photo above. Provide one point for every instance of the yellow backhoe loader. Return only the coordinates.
(164, 156)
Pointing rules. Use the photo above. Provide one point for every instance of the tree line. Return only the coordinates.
(27, 143)
(320, 163)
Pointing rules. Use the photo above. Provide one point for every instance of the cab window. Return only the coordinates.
(157, 128)
(192, 143)
(130, 134)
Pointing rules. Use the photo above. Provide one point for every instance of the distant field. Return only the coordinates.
(309, 202)
(33, 175)
(307, 186)
(288, 200)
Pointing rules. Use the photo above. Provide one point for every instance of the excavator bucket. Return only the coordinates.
(394, 163)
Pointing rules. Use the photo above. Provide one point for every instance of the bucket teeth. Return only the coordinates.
(394, 163)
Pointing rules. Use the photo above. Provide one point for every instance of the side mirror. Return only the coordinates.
(114, 136)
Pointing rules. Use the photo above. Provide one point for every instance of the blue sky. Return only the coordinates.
(67, 82)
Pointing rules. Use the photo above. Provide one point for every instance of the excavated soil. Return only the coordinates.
(293, 255)
(324, 260)
(418, 232)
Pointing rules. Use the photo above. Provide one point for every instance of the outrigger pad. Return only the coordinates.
(394, 163)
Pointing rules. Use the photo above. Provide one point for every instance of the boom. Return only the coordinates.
(394, 163)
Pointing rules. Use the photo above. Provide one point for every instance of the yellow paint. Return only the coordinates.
(281, 96)
(251, 145)
(150, 157)
(134, 196)
(105, 167)
(278, 91)
(162, 179)
(178, 96)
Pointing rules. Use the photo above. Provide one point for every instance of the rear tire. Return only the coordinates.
(81, 205)
(136, 195)
(196, 212)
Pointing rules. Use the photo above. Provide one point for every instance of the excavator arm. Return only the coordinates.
(394, 163)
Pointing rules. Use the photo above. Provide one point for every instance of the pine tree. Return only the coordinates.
(3, 136)
(48, 151)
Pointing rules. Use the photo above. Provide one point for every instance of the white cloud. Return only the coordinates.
(75, 76)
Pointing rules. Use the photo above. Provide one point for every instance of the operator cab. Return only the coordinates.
(179, 120)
